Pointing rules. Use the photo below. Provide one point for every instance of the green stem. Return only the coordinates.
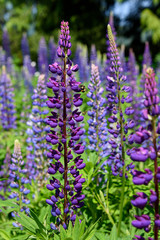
(123, 157)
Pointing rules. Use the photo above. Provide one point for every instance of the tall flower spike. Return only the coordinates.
(4, 174)
(132, 81)
(93, 55)
(42, 57)
(147, 59)
(25, 45)
(142, 154)
(65, 135)
(19, 181)
(97, 132)
(6, 99)
(52, 50)
(118, 127)
(6, 43)
(37, 159)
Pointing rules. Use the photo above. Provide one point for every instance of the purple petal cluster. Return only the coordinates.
(43, 57)
(28, 72)
(6, 44)
(118, 126)
(65, 135)
(142, 154)
(7, 109)
(25, 45)
(147, 59)
(4, 174)
(19, 180)
(52, 50)
(81, 58)
(37, 159)
(97, 132)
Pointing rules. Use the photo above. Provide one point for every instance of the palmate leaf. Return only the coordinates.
(32, 225)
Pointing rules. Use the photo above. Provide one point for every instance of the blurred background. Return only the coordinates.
(136, 21)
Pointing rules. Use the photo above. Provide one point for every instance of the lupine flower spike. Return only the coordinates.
(7, 103)
(141, 154)
(65, 135)
(97, 132)
(37, 159)
(118, 125)
(19, 180)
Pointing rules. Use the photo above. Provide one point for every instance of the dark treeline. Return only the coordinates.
(88, 21)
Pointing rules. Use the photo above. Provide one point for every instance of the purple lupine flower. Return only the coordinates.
(142, 154)
(132, 81)
(93, 55)
(97, 132)
(52, 50)
(28, 72)
(2, 57)
(19, 181)
(65, 135)
(81, 58)
(118, 126)
(147, 59)
(4, 174)
(7, 110)
(111, 23)
(42, 57)
(25, 45)
(122, 58)
(37, 157)
(6, 43)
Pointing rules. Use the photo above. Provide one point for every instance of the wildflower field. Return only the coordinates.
(79, 142)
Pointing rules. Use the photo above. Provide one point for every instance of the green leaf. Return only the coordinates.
(113, 234)
(8, 203)
(27, 222)
(76, 229)
(4, 234)
(56, 237)
(82, 228)
(62, 232)
(34, 216)
(44, 213)
(70, 227)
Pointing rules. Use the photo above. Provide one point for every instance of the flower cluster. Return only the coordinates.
(147, 59)
(37, 146)
(25, 46)
(132, 80)
(118, 127)
(142, 154)
(65, 135)
(97, 132)
(7, 109)
(6, 44)
(81, 58)
(43, 57)
(52, 50)
(4, 174)
(19, 180)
